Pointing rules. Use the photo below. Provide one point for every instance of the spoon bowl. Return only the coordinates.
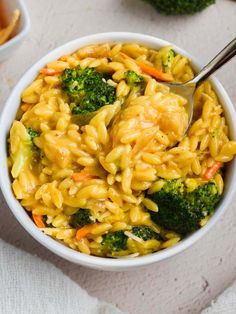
(187, 89)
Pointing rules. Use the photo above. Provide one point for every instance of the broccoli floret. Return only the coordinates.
(145, 233)
(133, 79)
(173, 210)
(181, 211)
(204, 198)
(88, 89)
(175, 187)
(81, 218)
(37, 153)
(174, 7)
(45, 218)
(115, 241)
(32, 133)
(167, 60)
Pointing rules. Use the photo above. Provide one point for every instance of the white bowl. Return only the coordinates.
(9, 114)
(20, 33)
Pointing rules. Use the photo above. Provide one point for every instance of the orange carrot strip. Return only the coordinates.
(25, 107)
(157, 74)
(82, 232)
(38, 219)
(212, 170)
(50, 72)
(82, 176)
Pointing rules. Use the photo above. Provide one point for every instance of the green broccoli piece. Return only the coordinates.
(32, 133)
(145, 233)
(45, 218)
(175, 187)
(173, 7)
(204, 198)
(182, 211)
(167, 60)
(115, 241)
(88, 89)
(133, 79)
(81, 218)
(37, 153)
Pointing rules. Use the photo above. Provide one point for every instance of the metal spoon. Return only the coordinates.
(187, 89)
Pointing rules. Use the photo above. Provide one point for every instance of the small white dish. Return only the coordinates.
(22, 30)
(9, 113)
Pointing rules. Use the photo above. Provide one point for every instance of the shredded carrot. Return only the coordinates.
(82, 232)
(50, 72)
(82, 176)
(157, 74)
(212, 170)
(38, 219)
(25, 107)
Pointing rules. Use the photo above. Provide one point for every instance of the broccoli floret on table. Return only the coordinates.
(133, 79)
(182, 211)
(81, 218)
(180, 6)
(145, 233)
(88, 89)
(115, 241)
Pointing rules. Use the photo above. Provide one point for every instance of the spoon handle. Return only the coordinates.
(220, 59)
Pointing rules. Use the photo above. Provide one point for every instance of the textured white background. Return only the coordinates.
(185, 283)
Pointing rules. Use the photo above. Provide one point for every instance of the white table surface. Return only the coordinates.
(185, 283)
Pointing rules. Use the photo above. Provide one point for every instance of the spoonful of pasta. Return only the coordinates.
(187, 89)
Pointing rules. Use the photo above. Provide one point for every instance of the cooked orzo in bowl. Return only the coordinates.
(98, 155)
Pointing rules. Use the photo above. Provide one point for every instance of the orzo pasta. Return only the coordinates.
(99, 158)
